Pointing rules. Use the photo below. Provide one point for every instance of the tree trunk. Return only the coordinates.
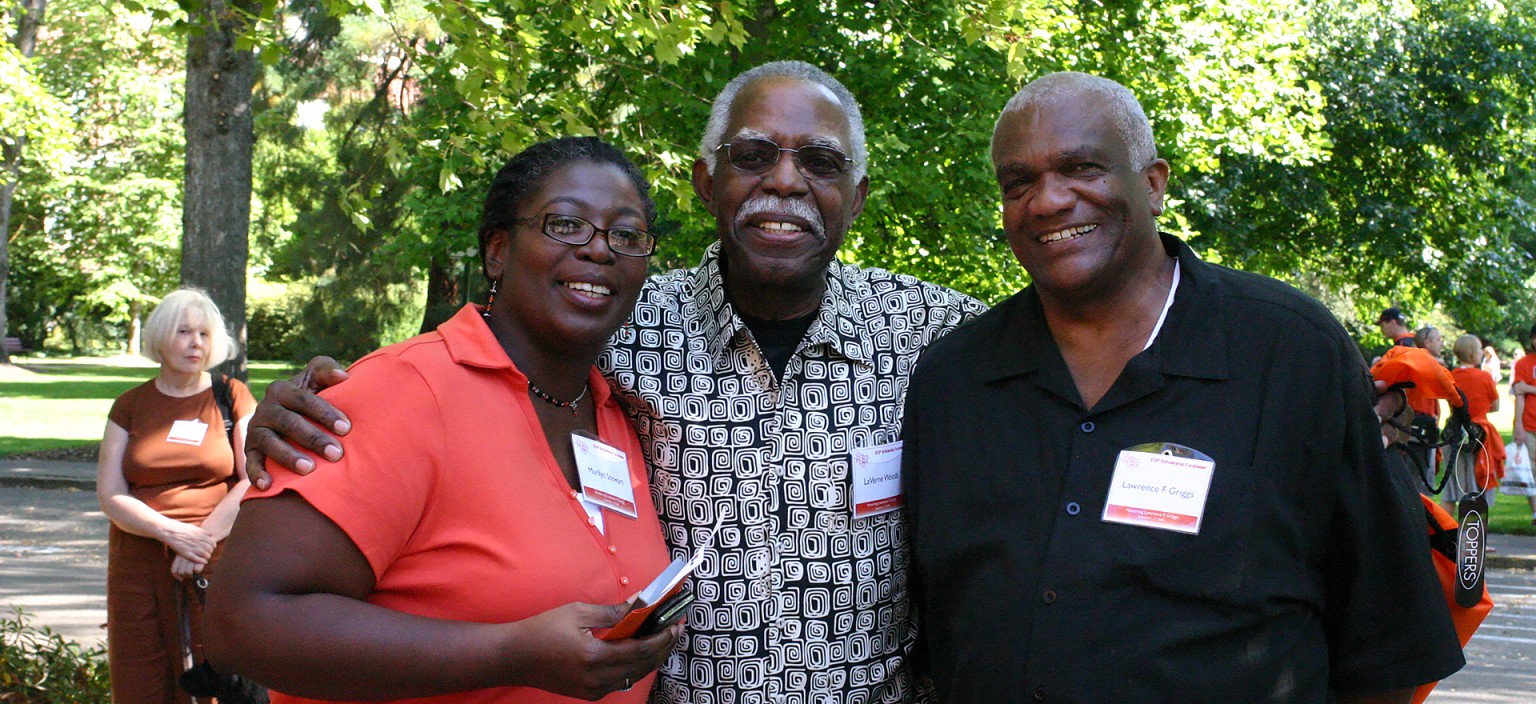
(443, 294)
(29, 17)
(216, 212)
(135, 327)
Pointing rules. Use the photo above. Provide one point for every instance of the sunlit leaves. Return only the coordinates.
(1421, 199)
(98, 222)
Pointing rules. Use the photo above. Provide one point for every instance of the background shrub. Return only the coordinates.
(38, 666)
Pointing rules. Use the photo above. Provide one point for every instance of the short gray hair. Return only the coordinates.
(179, 305)
(1124, 110)
(720, 111)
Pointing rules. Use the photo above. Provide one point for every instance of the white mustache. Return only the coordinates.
(764, 203)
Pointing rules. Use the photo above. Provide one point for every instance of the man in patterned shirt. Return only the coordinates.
(754, 379)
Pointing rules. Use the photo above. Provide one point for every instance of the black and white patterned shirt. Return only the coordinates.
(798, 602)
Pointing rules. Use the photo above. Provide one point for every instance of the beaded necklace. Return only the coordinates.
(571, 404)
(542, 394)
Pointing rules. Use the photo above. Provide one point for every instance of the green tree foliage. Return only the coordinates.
(1216, 79)
(1424, 195)
(26, 112)
(1370, 152)
(931, 79)
(328, 203)
(95, 231)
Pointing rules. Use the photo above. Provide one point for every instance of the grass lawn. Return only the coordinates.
(1511, 514)
(47, 404)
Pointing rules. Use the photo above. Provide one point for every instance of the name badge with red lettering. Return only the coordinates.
(877, 480)
(604, 473)
(1159, 485)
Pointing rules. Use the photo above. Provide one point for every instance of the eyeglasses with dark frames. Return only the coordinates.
(574, 231)
(756, 156)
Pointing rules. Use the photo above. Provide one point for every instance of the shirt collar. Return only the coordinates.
(1188, 345)
(837, 322)
(1194, 338)
(471, 343)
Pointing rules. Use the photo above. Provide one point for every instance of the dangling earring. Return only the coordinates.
(491, 300)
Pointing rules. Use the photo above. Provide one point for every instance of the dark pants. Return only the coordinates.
(143, 626)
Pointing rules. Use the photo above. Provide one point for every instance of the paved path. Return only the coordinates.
(1501, 658)
(53, 559)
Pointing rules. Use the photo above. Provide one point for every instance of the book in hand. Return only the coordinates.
(662, 602)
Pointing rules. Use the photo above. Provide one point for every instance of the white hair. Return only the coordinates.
(188, 304)
(720, 111)
(1125, 112)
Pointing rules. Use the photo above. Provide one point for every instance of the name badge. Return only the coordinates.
(1160, 485)
(877, 480)
(604, 473)
(187, 432)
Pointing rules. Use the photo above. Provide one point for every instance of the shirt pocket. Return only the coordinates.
(1213, 562)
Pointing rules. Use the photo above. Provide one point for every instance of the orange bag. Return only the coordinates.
(1442, 542)
(1417, 368)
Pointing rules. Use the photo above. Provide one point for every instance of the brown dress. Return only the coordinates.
(183, 481)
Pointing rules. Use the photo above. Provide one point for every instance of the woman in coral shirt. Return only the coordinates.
(450, 552)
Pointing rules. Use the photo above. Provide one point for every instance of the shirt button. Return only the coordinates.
(574, 494)
(1087, 426)
(1050, 597)
(1039, 694)
(613, 549)
(591, 521)
(624, 581)
(1073, 509)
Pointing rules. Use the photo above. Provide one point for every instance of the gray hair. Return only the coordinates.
(189, 305)
(1124, 110)
(720, 111)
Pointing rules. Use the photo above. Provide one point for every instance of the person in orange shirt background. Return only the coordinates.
(1522, 384)
(1477, 468)
(1426, 409)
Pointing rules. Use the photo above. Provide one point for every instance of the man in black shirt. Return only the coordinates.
(1148, 478)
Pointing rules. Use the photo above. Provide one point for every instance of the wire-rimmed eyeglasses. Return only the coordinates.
(755, 155)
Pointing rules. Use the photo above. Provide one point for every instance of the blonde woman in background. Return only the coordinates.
(1491, 361)
(171, 483)
(1430, 339)
(1478, 468)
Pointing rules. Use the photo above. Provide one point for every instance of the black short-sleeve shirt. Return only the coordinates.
(1309, 576)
